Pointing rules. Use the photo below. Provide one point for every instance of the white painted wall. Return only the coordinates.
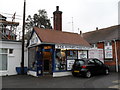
(60, 74)
(14, 59)
(34, 40)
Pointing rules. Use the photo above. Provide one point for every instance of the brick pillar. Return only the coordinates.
(100, 45)
(57, 19)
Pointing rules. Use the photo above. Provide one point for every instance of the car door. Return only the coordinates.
(92, 66)
(99, 66)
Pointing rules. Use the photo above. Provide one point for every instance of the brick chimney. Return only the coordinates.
(57, 19)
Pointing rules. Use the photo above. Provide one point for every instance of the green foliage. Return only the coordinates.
(39, 19)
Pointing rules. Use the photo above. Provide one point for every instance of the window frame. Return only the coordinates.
(11, 54)
(6, 58)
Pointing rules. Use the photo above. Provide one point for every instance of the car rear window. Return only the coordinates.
(79, 62)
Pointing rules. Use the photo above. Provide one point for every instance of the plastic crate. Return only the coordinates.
(18, 70)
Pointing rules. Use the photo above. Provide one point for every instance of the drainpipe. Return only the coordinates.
(116, 56)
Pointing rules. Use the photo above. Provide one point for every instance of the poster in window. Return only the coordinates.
(70, 64)
(108, 52)
(82, 54)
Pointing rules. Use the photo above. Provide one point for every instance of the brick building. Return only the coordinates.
(107, 39)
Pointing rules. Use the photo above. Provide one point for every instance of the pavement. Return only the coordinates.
(25, 81)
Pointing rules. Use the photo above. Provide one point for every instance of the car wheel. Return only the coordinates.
(88, 74)
(106, 72)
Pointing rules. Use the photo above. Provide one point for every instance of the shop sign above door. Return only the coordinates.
(65, 46)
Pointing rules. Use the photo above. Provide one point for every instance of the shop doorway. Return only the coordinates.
(47, 63)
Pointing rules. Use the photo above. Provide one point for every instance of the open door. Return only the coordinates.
(47, 63)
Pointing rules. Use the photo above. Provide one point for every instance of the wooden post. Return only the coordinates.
(23, 31)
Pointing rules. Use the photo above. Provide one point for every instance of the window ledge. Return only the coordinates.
(11, 55)
(3, 71)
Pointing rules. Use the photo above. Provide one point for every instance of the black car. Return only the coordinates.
(89, 67)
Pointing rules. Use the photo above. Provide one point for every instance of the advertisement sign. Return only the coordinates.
(66, 46)
(70, 64)
(96, 53)
(100, 54)
(93, 53)
(82, 54)
(108, 52)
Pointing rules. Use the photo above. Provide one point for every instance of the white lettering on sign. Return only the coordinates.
(65, 46)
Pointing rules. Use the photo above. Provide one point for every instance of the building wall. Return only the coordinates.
(118, 46)
(100, 45)
(113, 61)
(13, 60)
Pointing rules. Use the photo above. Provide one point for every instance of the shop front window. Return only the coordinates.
(71, 54)
(60, 61)
(82, 54)
(31, 62)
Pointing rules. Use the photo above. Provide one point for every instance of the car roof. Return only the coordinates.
(85, 59)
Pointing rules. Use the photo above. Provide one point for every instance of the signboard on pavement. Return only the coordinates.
(70, 64)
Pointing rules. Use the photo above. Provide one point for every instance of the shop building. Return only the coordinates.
(53, 52)
(107, 39)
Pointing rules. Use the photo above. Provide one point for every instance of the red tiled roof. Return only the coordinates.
(104, 34)
(59, 37)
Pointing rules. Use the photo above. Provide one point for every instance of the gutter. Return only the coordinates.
(116, 56)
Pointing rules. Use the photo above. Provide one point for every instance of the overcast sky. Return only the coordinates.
(87, 14)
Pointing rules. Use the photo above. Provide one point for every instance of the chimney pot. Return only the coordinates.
(96, 28)
(81, 34)
(57, 8)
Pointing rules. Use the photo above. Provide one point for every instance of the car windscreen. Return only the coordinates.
(79, 62)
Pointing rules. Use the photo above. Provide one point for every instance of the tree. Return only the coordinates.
(39, 19)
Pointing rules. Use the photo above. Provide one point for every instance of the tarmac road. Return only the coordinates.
(99, 81)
